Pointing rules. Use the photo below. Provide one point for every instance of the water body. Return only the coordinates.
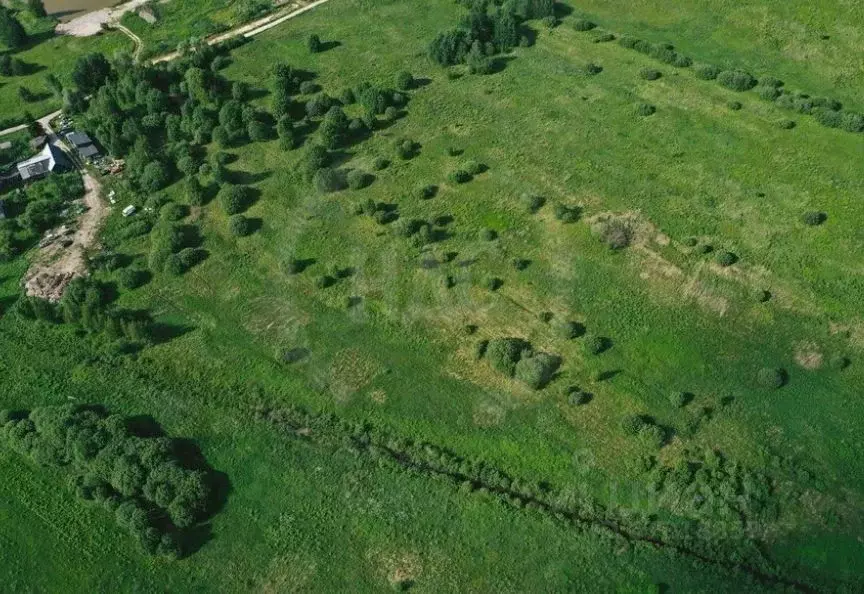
(68, 9)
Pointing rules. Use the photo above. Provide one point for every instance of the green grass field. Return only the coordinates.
(302, 516)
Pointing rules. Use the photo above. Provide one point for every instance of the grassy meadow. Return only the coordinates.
(302, 517)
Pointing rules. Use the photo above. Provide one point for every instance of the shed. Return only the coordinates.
(79, 139)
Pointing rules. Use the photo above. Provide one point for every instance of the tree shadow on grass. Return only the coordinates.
(326, 46)
(246, 178)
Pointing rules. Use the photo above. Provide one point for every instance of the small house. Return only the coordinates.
(47, 161)
(83, 144)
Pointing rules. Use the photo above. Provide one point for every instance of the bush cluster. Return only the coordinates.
(154, 493)
(516, 358)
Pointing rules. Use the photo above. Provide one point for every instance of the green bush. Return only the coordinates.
(536, 370)
(235, 199)
(814, 218)
(404, 81)
(132, 278)
(357, 179)
(584, 25)
(649, 74)
(763, 296)
(852, 122)
(604, 37)
(426, 192)
(734, 105)
(504, 353)
(488, 234)
(725, 258)
(645, 109)
(328, 180)
(768, 93)
(532, 202)
(786, 124)
(680, 399)
(494, 283)
(828, 117)
(569, 330)
(772, 378)
(459, 176)
(577, 397)
(240, 226)
(633, 424)
(380, 163)
(173, 212)
(592, 69)
(313, 44)
(325, 281)
(839, 362)
(567, 214)
(706, 72)
(595, 345)
(736, 80)
(307, 87)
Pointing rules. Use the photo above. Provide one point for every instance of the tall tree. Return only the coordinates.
(12, 34)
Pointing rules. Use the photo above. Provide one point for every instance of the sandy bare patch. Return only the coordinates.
(92, 22)
(399, 567)
(64, 256)
(488, 414)
(808, 355)
(350, 372)
(378, 396)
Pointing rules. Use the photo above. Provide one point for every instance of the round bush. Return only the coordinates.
(734, 105)
(307, 87)
(460, 176)
(173, 212)
(645, 109)
(570, 330)
(494, 283)
(770, 81)
(488, 235)
(473, 167)
(768, 93)
(328, 180)
(324, 281)
(240, 226)
(132, 278)
(532, 202)
(595, 345)
(584, 25)
(814, 218)
(649, 74)
(358, 179)
(603, 38)
(763, 296)
(537, 370)
(633, 424)
(839, 362)
(772, 378)
(736, 80)
(828, 117)
(706, 72)
(705, 248)
(681, 61)
(593, 69)
(628, 42)
(577, 397)
(404, 81)
(726, 258)
(691, 242)
(235, 199)
(786, 124)
(391, 114)
(852, 122)
(380, 163)
(679, 399)
(426, 192)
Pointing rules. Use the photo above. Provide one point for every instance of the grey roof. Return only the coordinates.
(5, 145)
(79, 139)
(88, 151)
(41, 164)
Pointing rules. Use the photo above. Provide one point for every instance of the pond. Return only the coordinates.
(67, 9)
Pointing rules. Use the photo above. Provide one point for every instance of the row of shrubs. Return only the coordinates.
(735, 548)
(828, 112)
(153, 492)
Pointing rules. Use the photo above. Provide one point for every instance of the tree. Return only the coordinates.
(478, 62)
(37, 8)
(90, 72)
(450, 47)
(12, 34)
(313, 42)
(231, 120)
(404, 81)
(194, 191)
(334, 128)
(154, 177)
(240, 226)
(505, 30)
(235, 199)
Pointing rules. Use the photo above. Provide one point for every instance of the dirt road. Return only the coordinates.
(65, 258)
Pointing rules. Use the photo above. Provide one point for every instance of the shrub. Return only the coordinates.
(705, 248)
(633, 424)
(357, 179)
(770, 81)
(628, 42)
(473, 167)
(406, 149)
(786, 124)
(404, 81)
(380, 163)
(240, 226)
(828, 117)
(706, 72)
(615, 233)
(313, 44)
(768, 93)
(567, 214)
(459, 176)
(584, 25)
(346, 97)
(235, 199)
(307, 87)
(734, 105)
(736, 80)
(537, 370)
(173, 212)
(532, 202)
(504, 353)
(570, 330)
(593, 69)
(839, 362)
(605, 37)
(772, 378)
(852, 122)
(649, 74)
(654, 434)
(691, 242)
(577, 397)
(132, 278)
(324, 281)
(426, 192)
(595, 345)
(391, 114)
(725, 258)
(814, 218)
(328, 180)
(494, 283)
(645, 109)
(679, 399)
(488, 235)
